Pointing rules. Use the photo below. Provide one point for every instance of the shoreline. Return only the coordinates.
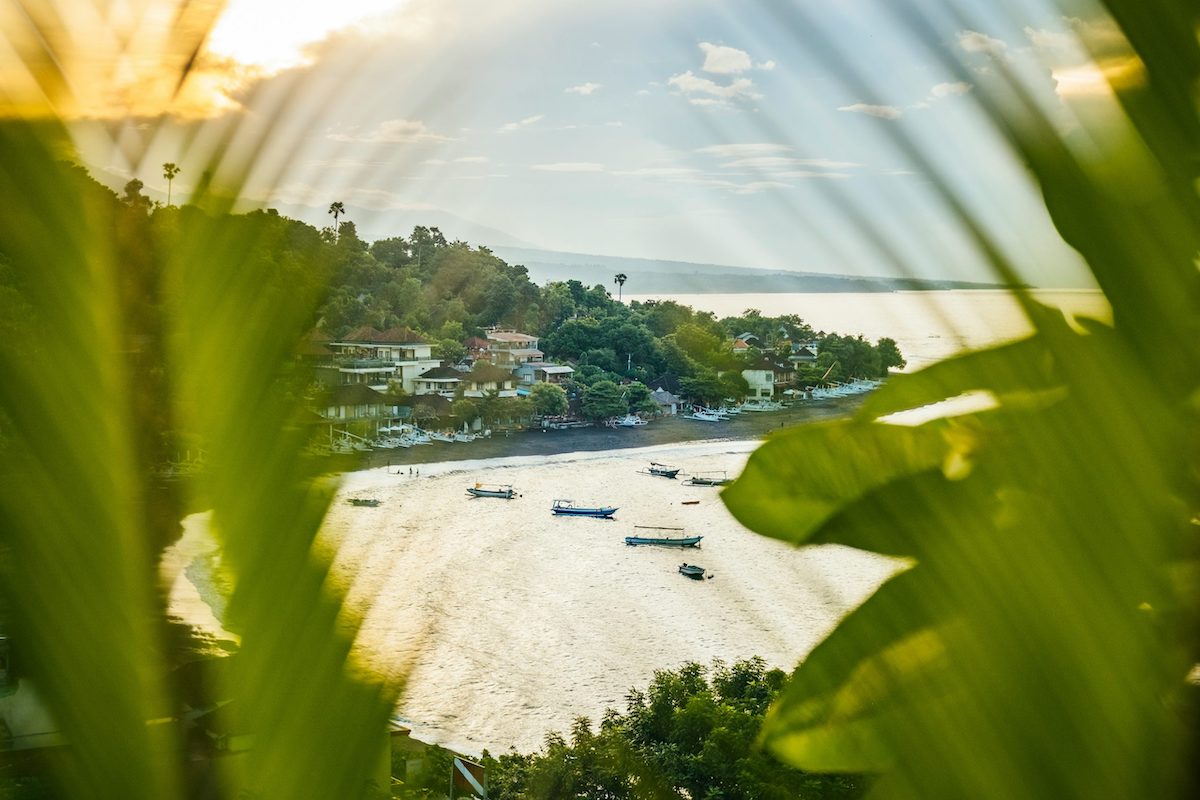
(661, 431)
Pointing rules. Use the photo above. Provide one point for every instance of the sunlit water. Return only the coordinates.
(927, 326)
(509, 622)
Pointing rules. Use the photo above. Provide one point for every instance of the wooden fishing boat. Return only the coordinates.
(364, 501)
(692, 571)
(482, 490)
(711, 479)
(666, 541)
(660, 470)
(567, 508)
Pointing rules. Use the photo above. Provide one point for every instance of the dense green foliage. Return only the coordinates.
(688, 732)
(1039, 637)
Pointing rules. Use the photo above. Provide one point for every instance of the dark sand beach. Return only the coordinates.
(665, 430)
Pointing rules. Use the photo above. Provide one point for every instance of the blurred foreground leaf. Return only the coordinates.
(1039, 641)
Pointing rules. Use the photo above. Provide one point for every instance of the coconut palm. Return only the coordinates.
(619, 279)
(170, 170)
(336, 209)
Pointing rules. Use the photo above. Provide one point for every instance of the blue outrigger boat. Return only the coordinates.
(567, 508)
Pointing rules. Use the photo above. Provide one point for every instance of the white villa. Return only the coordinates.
(373, 358)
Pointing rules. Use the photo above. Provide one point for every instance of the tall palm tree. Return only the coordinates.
(170, 170)
(337, 209)
(619, 279)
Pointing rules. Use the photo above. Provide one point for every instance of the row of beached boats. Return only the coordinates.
(726, 413)
(647, 534)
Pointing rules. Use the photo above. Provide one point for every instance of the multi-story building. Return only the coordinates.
(509, 349)
(376, 358)
(760, 375)
(484, 379)
(442, 381)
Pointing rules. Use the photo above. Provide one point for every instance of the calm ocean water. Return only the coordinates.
(510, 622)
(927, 326)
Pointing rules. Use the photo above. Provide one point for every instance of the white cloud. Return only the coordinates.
(754, 187)
(690, 83)
(512, 126)
(393, 131)
(759, 162)
(570, 166)
(1089, 60)
(706, 101)
(741, 150)
(883, 112)
(471, 160)
(976, 42)
(642, 92)
(811, 173)
(437, 162)
(659, 172)
(948, 89)
(723, 60)
(766, 66)
(584, 88)
(614, 124)
(940, 92)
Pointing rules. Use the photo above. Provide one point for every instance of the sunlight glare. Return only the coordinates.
(262, 34)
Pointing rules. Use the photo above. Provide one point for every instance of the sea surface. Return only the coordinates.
(508, 622)
(927, 326)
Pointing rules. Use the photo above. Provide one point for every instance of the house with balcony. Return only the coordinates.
(509, 349)
(441, 381)
(355, 403)
(375, 358)
(485, 379)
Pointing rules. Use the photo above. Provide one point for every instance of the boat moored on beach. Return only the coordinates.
(504, 492)
(567, 508)
(663, 540)
(709, 479)
(660, 470)
(692, 571)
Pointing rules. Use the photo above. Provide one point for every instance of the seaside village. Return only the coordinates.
(384, 389)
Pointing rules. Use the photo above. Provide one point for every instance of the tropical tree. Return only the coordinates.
(466, 410)
(549, 399)
(637, 398)
(170, 170)
(337, 209)
(603, 399)
(619, 279)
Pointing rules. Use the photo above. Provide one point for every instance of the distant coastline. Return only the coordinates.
(657, 276)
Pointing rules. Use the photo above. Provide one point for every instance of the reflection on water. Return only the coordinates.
(513, 622)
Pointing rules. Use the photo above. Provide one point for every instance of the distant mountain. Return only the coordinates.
(652, 276)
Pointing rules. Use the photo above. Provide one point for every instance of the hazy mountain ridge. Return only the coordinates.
(656, 275)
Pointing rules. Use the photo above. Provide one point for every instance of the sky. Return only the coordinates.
(815, 135)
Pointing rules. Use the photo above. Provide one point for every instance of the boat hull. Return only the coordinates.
(685, 541)
(503, 494)
(584, 512)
